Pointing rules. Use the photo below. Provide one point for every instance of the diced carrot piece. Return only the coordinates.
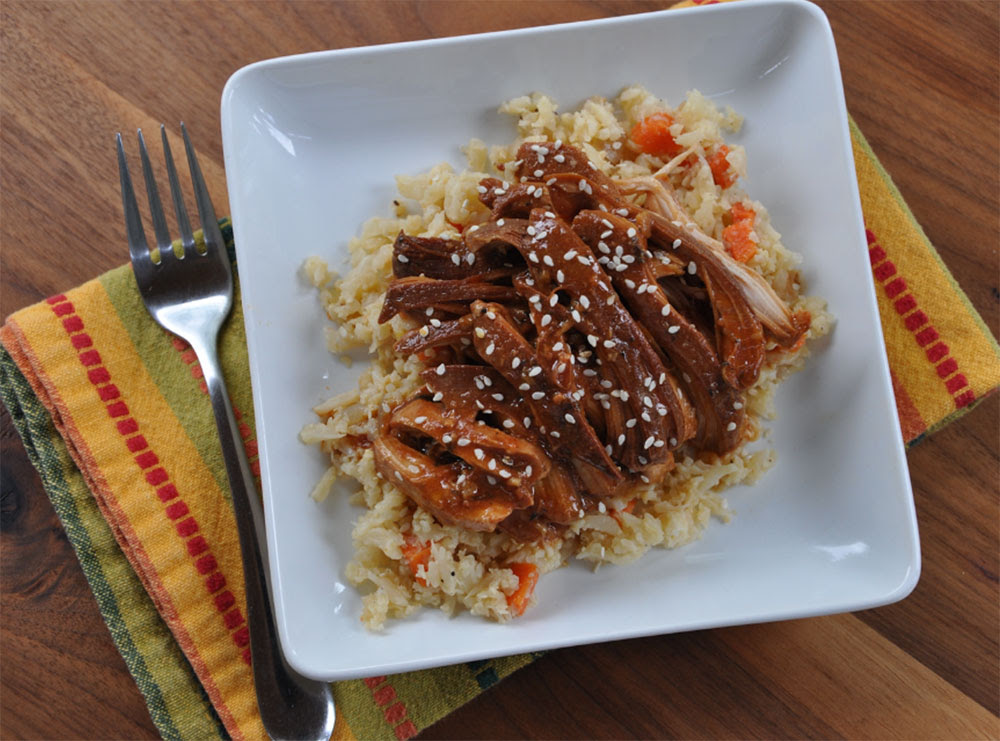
(417, 554)
(740, 211)
(652, 135)
(527, 578)
(722, 174)
(737, 236)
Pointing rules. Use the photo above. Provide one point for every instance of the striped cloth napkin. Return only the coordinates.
(114, 416)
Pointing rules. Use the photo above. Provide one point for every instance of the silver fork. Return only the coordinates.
(190, 295)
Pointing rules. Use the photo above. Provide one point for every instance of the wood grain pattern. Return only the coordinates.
(921, 80)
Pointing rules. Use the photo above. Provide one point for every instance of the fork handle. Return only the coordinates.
(291, 706)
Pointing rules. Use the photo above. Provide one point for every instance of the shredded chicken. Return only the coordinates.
(576, 341)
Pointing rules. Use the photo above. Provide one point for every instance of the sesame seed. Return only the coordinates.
(456, 258)
(737, 405)
(570, 418)
(446, 438)
(480, 332)
(570, 255)
(538, 173)
(642, 461)
(631, 231)
(530, 190)
(632, 423)
(549, 214)
(547, 259)
(492, 481)
(492, 464)
(609, 344)
(559, 158)
(515, 363)
(402, 258)
(645, 417)
(527, 422)
(674, 329)
(560, 368)
(607, 233)
(647, 401)
(576, 315)
(535, 371)
(602, 508)
(673, 442)
(478, 452)
(692, 268)
(423, 331)
(584, 302)
(533, 257)
(481, 188)
(524, 387)
(490, 348)
(499, 222)
(474, 227)
(610, 300)
(592, 339)
(470, 258)
(621, 211)
(623, 395)
(676, 244)
(731, 426)
(546, 320)
(463, 441)
(414, 469)
(498, 397)
(607, 449)
(399, 475)
(558, 346)
(440, 369)
(665, 310)
(435, 322)
(555, 433)
(630, 283)
(438, 396)
(560, 276)
(606, 384)
(538, 395)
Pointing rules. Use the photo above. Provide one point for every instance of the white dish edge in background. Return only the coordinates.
(312, 143)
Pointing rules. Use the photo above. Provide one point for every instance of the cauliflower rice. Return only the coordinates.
(469, 570)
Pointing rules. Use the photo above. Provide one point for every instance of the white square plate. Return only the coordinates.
(311, 146)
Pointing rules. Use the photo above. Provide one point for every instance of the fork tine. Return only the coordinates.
(163, 240)
(142, 261)
(187, 238)
(209, 224)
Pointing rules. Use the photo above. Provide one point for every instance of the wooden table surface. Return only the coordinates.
(921, 81)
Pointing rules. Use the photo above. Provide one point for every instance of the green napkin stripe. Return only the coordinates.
(85, 526)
